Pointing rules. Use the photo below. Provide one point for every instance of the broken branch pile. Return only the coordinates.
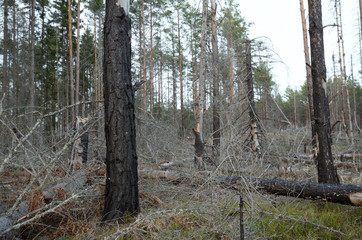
(344, 194)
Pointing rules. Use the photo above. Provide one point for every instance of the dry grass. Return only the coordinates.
(189, 208)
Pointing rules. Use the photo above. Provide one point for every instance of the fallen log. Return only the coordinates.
(7, 219)
(344, 194)
(338, 164)
(336, 155)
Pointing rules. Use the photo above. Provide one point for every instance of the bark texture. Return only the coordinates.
(308, 71)
(72, 184)
(324, 159)
(199, 139)
(344, 194)
(78, 62)
(71, 80)
(215, 97)
(199, 151)
(255, 145)
(4, 89)
(121, 159)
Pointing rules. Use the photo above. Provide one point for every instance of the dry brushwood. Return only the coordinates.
(12, 220)
(344, 194)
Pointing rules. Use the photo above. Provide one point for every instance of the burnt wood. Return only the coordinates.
(120, 129)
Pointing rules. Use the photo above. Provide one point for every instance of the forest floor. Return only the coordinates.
(193, 207)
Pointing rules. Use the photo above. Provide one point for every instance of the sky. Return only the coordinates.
(278, 23)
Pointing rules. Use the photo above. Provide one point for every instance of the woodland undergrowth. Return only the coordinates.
(187, 208)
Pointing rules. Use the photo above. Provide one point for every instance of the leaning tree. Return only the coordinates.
(120, 130)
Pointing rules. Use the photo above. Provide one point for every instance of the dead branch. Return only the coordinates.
(344, 194)
(9, 221)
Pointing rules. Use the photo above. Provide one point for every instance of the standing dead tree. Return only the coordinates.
(327, 173)
(255, 144)
(198, 130)
(309, 72)
(215, 97)
(343, 74)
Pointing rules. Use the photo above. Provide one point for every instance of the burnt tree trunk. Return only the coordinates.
(324, 159)
(120, 130)
(336, 193)
(199, 129)
(255, 145)
(215, 97)
(308, 71)
(199, 151)
(344, 194)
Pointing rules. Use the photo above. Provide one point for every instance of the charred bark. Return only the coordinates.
(199, 151)
(199, 129)
(324, 159)
(255, 145)
(215, 97)
(309, 72)
(120, 130)
(10, 218)
(344, 194)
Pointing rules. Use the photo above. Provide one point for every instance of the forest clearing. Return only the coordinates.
(162, 120)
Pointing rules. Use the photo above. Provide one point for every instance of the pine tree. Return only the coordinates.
(121, 159)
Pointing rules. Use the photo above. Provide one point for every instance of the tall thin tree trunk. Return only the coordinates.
(140, 58)
(180, 72)
(360, 13)
(100, 64)
(350, 126)
(230, 50)
(309, 73)
(57, 80)
(341, 71)
(174, 81)
(215, 65)
(121, 197)
(15, 61)
(78, 61)
(160, 81)
(144, 91)
(32, 64)
(151, 61)
(327, 173)
(360, 33)
(255, 144)
(194, 80)
(198, 130)
(71, 80)
(5, 82)
(95, 64)
(342, 68)
(295, 110)
(354, 99)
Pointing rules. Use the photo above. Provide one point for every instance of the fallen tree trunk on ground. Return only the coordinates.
(7, 219)
(344, 194)
(342, 163)
(336, 155)
(339, 164)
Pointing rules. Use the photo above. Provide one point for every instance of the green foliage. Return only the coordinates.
(263, 78)
(301, 221)
(95, 6)
(233, 24)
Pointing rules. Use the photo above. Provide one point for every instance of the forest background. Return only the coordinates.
(51, 68)
(36, 61)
